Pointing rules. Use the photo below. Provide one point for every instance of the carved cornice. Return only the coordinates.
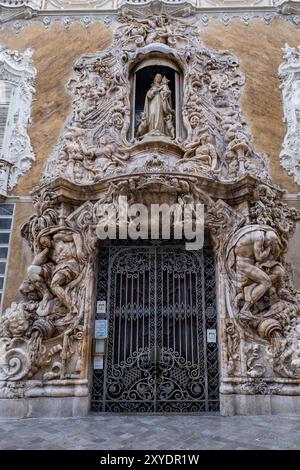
(233, 193)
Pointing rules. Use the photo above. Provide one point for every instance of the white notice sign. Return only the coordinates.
(101, 306)
(101, 328)
(211, 335)
(98, 362)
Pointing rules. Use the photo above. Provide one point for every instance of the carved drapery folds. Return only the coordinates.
(290, 88)
(45, 338)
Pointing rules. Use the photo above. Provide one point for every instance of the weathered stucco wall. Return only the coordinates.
(258, 46)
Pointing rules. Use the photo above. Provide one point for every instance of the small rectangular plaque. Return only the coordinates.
(98, 362)
(101, 328)
(101, 306)
(211, 335)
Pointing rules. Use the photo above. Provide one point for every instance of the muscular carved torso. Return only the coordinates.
(253, 247)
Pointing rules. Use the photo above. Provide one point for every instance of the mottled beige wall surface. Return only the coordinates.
(258, 46)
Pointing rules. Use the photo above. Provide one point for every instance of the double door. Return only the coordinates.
(162, 347)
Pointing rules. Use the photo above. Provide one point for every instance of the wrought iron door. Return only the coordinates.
(161, 301)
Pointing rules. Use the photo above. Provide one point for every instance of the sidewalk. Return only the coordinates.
(109, 431)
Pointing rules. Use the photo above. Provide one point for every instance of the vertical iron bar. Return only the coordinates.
(185, 315)
(125, 318)
(204, 330)
(155, 325)
(191, 317)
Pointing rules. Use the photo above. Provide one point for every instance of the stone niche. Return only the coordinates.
(186, 141)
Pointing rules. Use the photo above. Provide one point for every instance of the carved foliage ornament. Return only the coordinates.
(17, 155)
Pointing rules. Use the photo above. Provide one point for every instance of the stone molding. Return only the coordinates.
(19, 13)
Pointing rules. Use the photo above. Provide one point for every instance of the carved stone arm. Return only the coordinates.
(41, 257)
(261, 253)
(79, 247)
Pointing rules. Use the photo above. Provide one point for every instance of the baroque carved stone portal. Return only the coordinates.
(157, 118)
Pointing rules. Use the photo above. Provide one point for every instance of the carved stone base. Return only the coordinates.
(230, 405)
(44, 407)
(247, 405)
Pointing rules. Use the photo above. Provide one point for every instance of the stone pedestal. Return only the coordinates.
(248, 405)
(44, 407)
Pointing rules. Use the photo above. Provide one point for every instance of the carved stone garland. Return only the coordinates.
(45, 338)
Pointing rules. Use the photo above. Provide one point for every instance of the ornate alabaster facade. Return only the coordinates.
(46, 337)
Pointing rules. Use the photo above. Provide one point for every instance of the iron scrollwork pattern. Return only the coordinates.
(161, 302)
(102, 286)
